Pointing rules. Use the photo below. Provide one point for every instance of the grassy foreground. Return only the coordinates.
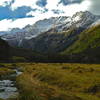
(58, 81)
(6, 70)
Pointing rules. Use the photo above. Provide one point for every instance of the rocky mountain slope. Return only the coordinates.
(12, 54)
(4, 50)
(80, 21)
(73, 39)
(16, 36)
(61, 37)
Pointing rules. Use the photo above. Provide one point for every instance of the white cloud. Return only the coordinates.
(20, 23)
(6, 24)
(52, 4)
(32, 3)
(4, 2)
(69, 10)
(19, 3)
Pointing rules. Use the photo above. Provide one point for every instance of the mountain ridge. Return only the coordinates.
(70, 40)
(59, 24)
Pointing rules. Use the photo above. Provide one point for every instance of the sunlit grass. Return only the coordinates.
(58, 81)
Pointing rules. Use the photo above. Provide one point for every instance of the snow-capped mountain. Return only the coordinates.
(81, 20)
(15, 36)
(84, 19)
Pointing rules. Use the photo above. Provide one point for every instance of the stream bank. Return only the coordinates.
(8, 87)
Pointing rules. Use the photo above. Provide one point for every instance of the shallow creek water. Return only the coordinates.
(7, 86)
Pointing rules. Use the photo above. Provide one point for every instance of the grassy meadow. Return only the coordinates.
(56, 81)
(5, 70)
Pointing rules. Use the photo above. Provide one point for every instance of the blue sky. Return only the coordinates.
(19, 13)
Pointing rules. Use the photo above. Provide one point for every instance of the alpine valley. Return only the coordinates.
(54, 59)
(59, 39)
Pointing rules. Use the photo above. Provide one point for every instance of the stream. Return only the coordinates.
(7, 86)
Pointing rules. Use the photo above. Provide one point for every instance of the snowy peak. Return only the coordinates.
(80, 18)
(76, 17)
(84, 15)
(84, 19)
